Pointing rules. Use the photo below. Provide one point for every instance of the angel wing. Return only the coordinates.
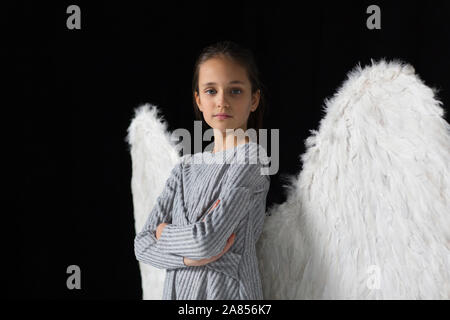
(368, 217)
(153, 156)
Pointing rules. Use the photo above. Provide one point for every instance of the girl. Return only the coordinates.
(205, 224)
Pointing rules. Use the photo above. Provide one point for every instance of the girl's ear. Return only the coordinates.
(197, 99)
(255, 100)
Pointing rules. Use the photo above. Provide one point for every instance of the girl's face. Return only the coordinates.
(225, 88)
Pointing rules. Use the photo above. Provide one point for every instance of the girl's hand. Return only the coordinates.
(160, 229)
(215, 205)
(201, 262)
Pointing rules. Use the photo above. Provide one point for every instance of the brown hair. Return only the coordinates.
(245, 58)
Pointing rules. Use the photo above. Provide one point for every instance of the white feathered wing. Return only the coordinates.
(153, 156)
(368, 217)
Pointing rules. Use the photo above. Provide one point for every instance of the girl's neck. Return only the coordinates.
(228, 143)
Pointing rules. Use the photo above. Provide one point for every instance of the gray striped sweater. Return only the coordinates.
(235, 176)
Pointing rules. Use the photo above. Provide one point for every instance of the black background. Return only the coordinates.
(78, 90)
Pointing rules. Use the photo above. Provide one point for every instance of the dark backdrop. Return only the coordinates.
(78, 90)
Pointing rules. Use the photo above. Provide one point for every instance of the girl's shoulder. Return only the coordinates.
(249, 167)
(250, 153)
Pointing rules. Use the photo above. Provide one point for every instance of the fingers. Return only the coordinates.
(215, 205)
(229, 242)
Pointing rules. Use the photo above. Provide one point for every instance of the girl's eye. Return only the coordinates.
(231, 90)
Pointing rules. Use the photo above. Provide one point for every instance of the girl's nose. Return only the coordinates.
(222, 100)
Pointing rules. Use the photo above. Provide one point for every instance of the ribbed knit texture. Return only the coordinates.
(196, 182)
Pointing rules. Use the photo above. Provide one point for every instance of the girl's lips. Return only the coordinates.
(222, 117)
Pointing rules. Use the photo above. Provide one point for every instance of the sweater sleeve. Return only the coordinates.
(145, 241)
(207, 238)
